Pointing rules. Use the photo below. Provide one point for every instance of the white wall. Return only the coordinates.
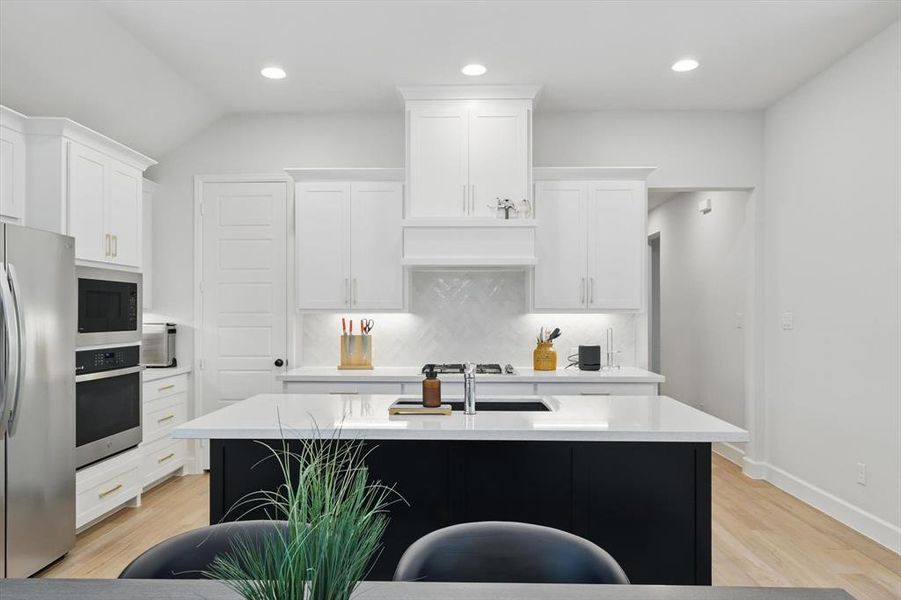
(703, 287)
(833, 259)
(690, 149)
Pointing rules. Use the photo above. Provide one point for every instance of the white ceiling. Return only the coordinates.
(150, 73)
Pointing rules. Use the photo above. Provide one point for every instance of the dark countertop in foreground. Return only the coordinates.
(135, 589)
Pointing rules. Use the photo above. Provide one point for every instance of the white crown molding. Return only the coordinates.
(469, 92)
(12, 119)
(591, 173)
(63, 127)
(346, 174)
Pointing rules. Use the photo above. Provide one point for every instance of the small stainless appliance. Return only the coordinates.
(109, 307)
(37, 399)
(158, 345)
(107, 402)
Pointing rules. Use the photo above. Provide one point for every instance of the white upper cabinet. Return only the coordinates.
(376, 245)
(439, 161)
(498, 156)
(466, 147)
(88, 185)
(322, 244)
(591, 245)
(348, 243)
(105, 197)
(562, 246)
(147, 189)
(617, 238)
(12, 167)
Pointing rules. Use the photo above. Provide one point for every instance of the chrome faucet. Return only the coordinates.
(469, 389)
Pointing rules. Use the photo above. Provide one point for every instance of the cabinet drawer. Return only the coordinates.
(165, 401)
(597, 389)
(326, 387)
(102, 487)
(158, 423)
(455, 389)
(165, 387)
(162, 458)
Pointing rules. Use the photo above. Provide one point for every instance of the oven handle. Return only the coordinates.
(11, 374)
(108, 374)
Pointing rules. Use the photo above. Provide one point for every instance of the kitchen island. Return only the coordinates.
(630, 473)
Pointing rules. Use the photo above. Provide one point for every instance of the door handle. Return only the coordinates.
(472, 198)
(279, 362)
(166, 418)
(594, 393)
(112, 490)
(591, 287)
(115, 246)
(165, 458)
(346, 291)
(11, 368)
(354, 291)
(582, 292)
(166, 387)
(465, 207)
(20, 353)
(106, 245)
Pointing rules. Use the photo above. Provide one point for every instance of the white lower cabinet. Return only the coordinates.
(454, 389)
(596, 389)
(162, 458)
(107, 485)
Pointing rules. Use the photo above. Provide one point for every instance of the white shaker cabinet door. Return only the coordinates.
(562, 246)
(124, 214)
(439, 163)
(616, 244)
(88, 183)
(376, 246)
(322, 245)
(498, 157)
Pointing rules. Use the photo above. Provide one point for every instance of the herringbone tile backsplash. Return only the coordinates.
(458, 316)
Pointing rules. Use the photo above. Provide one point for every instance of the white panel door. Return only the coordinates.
(498, 157)
(376, 246)
(439, 174)
(322, 245)
(12, 176)
(244, 293)
(88, 183)
(562, 245)
(124, 214)
(616, 244)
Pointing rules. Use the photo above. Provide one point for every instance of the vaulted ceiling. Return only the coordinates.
(152, 73)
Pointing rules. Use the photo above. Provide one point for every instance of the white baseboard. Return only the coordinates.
(730, 452)
(870, 525)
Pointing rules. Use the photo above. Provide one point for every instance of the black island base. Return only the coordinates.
(646, 503)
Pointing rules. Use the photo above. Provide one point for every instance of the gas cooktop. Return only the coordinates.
(482, 369)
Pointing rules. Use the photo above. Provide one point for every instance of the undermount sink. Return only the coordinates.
(488, 405)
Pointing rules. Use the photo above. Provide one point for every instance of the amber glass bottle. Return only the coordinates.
(431, 390)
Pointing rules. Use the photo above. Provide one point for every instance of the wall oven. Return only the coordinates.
(109, 307)
(107, 402)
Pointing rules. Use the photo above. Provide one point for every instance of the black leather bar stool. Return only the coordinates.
(505, 552)
(186, 555)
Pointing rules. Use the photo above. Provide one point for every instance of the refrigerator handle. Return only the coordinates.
(20, 365)
(11, 368)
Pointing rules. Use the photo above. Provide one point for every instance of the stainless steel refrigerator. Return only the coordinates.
(37, 399)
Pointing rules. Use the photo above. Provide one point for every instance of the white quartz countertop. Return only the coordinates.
(152, 374)
(572, 418)
(523, 375)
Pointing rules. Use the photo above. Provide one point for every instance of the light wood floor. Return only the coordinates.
(761, 537)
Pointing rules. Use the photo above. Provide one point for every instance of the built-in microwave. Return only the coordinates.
(109, 307)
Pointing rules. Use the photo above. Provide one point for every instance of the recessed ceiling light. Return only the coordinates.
(684, 65)
(273, 73)
(474, 70)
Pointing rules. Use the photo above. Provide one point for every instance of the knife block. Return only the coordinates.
(356, 351)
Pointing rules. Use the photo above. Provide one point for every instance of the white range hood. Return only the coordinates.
(469, 242)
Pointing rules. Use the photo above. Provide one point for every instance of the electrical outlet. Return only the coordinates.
(788, 321)
(862, 473)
